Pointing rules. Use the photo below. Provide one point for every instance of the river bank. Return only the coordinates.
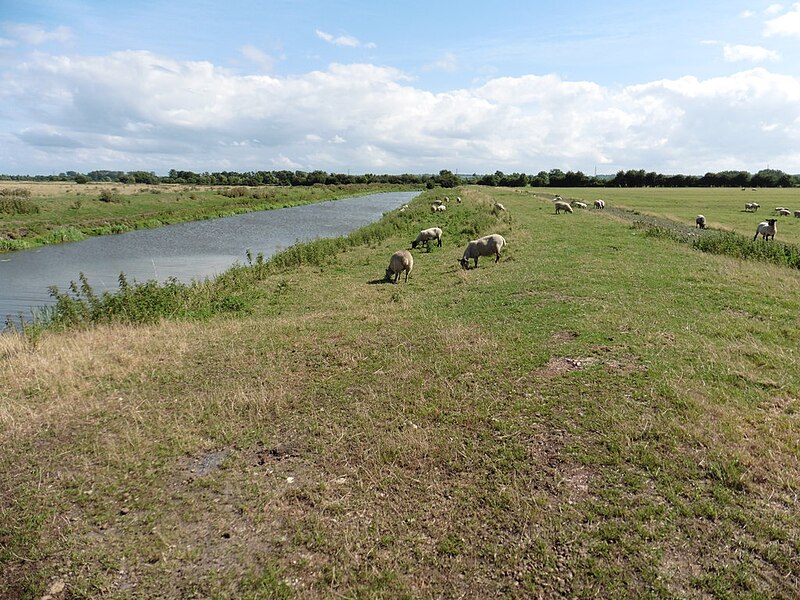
(52, 213)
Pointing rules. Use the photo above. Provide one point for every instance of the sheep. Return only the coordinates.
(458, 199)
(767, 229)
(438, 202)
(780, 208)
(748, 205)
(756, 205)
(426, 235)
(399, 262)
(497, 208)
(485, 246)
(700, 221)
(438, 208)
(599, 204)
(797, 214)
(563, 206)
(785, 212)
(579, 204)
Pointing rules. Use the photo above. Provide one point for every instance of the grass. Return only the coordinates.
(38, 214)
(600, 414)
(723, 207)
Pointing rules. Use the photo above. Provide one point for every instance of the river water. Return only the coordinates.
(186, 251)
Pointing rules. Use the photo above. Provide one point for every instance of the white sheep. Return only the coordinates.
(485, 246)
(756, 205)
(563, 206)
(767, 229)
(797, 214)
(426, 235)
(399, 262)
(600, 204)
(578, 204)
(458, 199)
(700, 221)
(498, 208)
(438, 208)
(748, 205)
(785, 212)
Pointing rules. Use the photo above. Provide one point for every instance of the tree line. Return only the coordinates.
(445, 178)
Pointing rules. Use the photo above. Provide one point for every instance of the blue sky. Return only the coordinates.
(674, 87)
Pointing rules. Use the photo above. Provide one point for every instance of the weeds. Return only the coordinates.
(16, 201)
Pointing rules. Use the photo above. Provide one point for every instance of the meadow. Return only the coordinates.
(602, 413)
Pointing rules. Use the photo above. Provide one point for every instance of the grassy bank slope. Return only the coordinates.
(598, 414)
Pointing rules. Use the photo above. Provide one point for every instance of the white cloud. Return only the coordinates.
(343, 40)
(773, 9)
(6, 43)
(37, 35)
(787, 24)
(141, 110)
(739, 53)
(746, 14)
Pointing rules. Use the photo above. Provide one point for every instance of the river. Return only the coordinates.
(186, 251)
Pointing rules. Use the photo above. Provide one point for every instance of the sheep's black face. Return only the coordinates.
(414, 244)
(389, 274)
(464, 263)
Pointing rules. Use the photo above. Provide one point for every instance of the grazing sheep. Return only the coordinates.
(797, 214)
(497, 208)
(438, 208)
(780, 208)
(399, 262)
(756, 205)
(485, 246)
(458, 199)
(446, 199)
(748, 205)
(700, 222)
(426, 235)
(557, 199)
(767, 229)
(601, 204)
(785, 212)
(563, 206)
(577, 204)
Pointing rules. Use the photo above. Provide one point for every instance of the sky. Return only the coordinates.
(357, 86)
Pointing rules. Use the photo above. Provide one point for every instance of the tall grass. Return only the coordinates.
(723, 242)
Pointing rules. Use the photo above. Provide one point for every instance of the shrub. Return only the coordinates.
(16, 201)
(107, 195)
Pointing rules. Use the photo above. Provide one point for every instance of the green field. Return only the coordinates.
(722, 207)
(602, 413)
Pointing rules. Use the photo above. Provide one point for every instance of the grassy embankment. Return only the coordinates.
(59, 212)
(601, 414)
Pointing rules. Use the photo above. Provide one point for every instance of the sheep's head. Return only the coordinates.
(389, 274)
(414, 244)
(464, 262)
(772, 222)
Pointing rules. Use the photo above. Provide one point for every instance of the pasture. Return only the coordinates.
(599, 414)
(722, 207)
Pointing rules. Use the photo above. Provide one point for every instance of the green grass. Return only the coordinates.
(722, 207)
(600, 414)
